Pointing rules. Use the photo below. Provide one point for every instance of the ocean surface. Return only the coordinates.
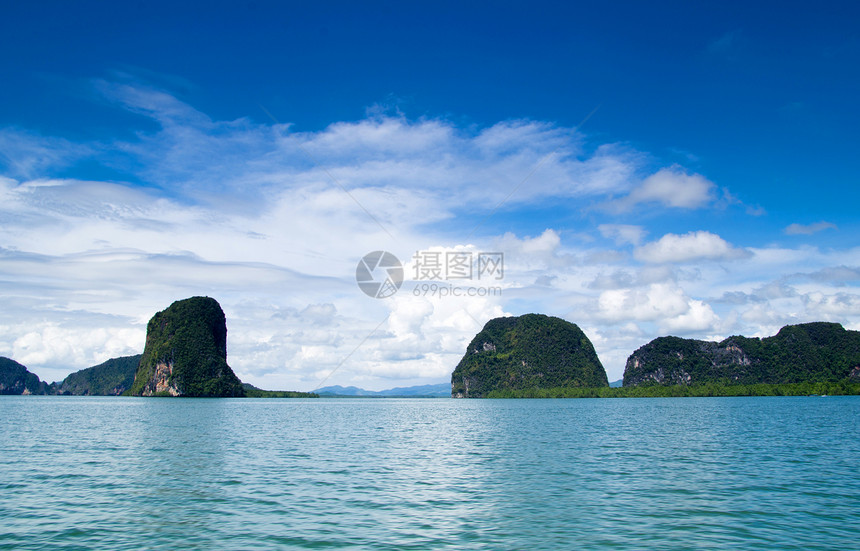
(660, 473)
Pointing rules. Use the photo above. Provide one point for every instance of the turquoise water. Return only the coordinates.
(687, 473)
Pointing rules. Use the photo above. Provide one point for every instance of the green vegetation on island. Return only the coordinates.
(807, 353)
(840, 388)
(16, 379)
(186, 353)
(253, 392)
(526, 353)
(110, 378)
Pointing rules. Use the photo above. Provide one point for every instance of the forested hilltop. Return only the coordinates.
(186, 353)
(807, 353)
(532, 351)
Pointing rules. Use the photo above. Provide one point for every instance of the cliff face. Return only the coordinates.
(810, 352)
(186, 353)
(527, 352)
(16, 379)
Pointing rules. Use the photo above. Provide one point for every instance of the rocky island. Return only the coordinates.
(532, 351)
(805, 353)
(186, 353)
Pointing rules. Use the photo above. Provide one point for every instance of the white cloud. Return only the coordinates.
(800, 229)
(699, 317)
(670, 187)
(256, 216)
(57, 343)
(832, 307)
(693, 246)
(654, 302)
(623, 233)
(528, 254)
(665, 304)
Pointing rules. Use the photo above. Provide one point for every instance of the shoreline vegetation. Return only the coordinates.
(253, 392)
(706, 390)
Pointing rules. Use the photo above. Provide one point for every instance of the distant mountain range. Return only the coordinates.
(442, 390)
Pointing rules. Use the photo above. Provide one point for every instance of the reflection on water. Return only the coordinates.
(126, 473)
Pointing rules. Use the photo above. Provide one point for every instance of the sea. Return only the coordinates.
(632, 473)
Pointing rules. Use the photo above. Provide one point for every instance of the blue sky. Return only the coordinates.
(646, 168)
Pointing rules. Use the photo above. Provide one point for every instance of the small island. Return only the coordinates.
(525, 353)
(810, 352)
(186, 353)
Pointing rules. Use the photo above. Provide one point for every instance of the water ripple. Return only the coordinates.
(719, 473)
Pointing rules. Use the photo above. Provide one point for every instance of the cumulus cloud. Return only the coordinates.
(690, 247)
(699, 317)
(664, 303)
(800, 229)
(52, 344)
(655, 302)
(527, 254)
(670, 187)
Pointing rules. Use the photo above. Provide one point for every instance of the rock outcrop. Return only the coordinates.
(533, 351)
(186, 353)
(809, 352)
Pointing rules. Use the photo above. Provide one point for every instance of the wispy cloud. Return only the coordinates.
(800, 229)
(726, 44)
(25, 154)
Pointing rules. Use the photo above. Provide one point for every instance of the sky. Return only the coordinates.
(640, 169)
